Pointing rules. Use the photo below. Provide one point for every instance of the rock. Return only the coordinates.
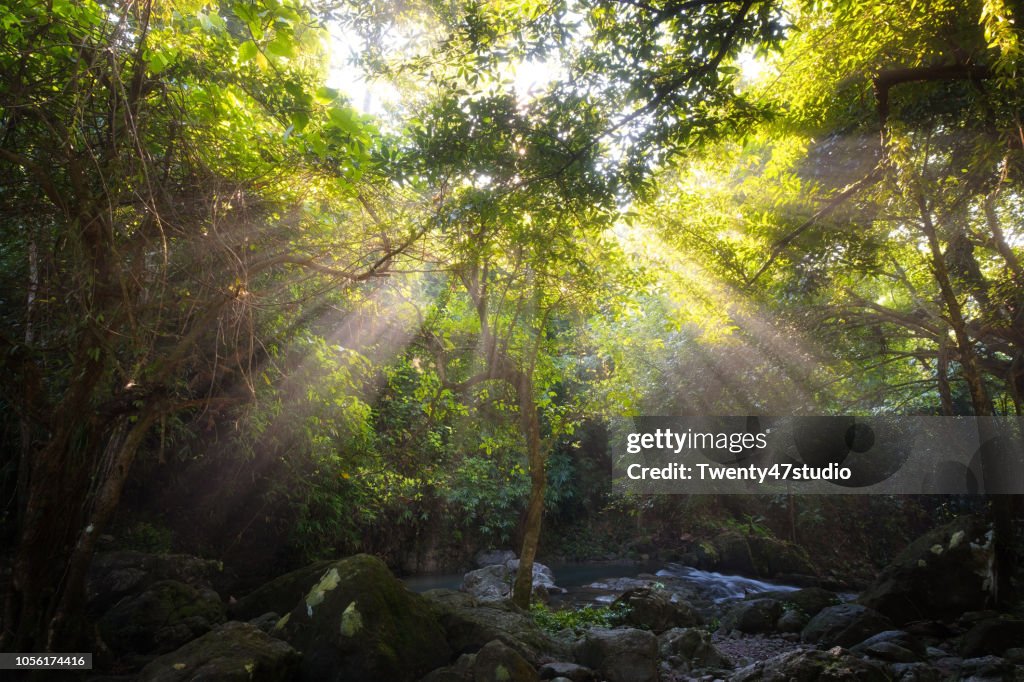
(566, 671)
(620, 584)
(689, 649)
(460, 671)
(115, 575)
(266, 622)
(359, 622)
(279, 595)
(896, 646)
(654, 610)
(234, 652)
(931, 629)
(986, 669)
(733, 553)
(915, 672)
(160, 618)
(493, 557)
(791, 620)
(1015, 655)
(809, 600)
(497, 662)
(940, 575)
(542, 576)
(835, 665)
(469, 625)
(753, 616)
(774, 557)
(887, 651)
(494, 582)
(490, 583)
(844, 625)
(992, 636)
(620, 655)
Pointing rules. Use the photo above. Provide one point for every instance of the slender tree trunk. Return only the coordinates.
(942, 378)
(1001, 505)
(31, 385)
(980, 400)
(530, 424)
(65, 624)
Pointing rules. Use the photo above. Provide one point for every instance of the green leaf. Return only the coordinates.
(247, 51)
(282, 46)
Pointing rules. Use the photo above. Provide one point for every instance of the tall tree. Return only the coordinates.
(164, 167)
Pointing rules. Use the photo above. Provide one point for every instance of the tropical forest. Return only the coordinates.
(377, 340)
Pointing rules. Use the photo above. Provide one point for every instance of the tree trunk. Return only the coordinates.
(1001, 505)
(530, 424)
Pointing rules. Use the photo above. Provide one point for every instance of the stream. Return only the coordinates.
(602, 583)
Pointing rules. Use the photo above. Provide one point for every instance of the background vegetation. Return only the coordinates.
(242, 318)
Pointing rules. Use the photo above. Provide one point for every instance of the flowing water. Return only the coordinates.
(602, 583)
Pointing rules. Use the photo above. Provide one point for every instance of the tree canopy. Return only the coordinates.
(212, 259)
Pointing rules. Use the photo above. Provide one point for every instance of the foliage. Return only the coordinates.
(390, 329)
(578, 618)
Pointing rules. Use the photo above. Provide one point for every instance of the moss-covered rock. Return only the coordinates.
(620, 655)
(115, 575)
(234, 652)
(470, 624)
(497, 662)
(734, 553)
(358, 622)
(160, 618)
(809, 600)
(688, 649)
(774, 557)
(942, 574)
(654, 610)
(281, 594)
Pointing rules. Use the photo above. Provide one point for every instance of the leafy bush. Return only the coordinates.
(579, 618)
(146, 537)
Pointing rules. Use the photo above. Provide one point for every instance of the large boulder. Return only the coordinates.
(494, 582)
(493, 557)
(844, 625)
(115, 575)
(234, 652)
(812, 666)
(491, 583)
(280, 594)
(992, 636)
(941, 575)
(359, 622)
(733, 553)
(497, 662)
(809, 600)
(773, 557)
(753, 616)
(655, 610)
(160, 618)
(620, 655)
(470, 624)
